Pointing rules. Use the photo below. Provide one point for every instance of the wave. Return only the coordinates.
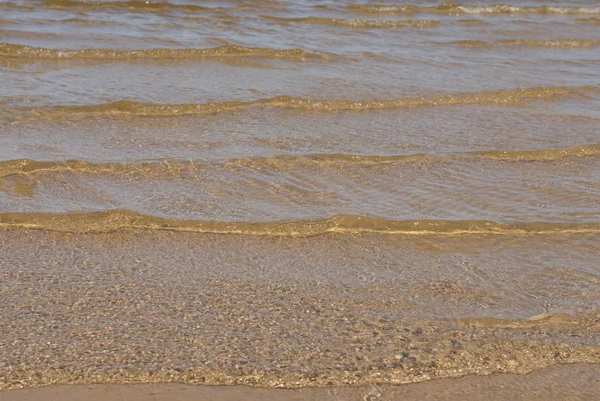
(169, 167)
(12, 33)
(14, 6)
(40, 53)
(511, 97)
(122, 219)
(458, 9)
(589, 20)
(128, 5)
(547, 319)
(166, 7)
(150, 169)
(541, 154)
(359, 23)
(556, 44)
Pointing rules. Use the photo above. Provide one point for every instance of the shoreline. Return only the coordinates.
(559, 382)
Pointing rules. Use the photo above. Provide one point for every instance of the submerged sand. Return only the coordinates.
(145, 306)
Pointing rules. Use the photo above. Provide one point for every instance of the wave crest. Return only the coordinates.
(108, 221)
(169, 167)
(511, 97)
(459, 9)
(40, 53)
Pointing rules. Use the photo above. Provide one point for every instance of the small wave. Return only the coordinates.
(13, 33)
(556, 319)
(14, 6)
(472, 21)
(458, 9)
(540, 154)
(382, 9)
(555, 44)
(40, 53)
(590, 20)
(128, 5)
(170, 167)
(148, 169)
(114, 220)
(512, 97)
(359, 23)
(472, 43)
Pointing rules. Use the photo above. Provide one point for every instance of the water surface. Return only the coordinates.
(287, 193)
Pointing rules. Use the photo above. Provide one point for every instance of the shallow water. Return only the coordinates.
(283, 193)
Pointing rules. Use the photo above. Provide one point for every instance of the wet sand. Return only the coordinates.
(559, 383)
